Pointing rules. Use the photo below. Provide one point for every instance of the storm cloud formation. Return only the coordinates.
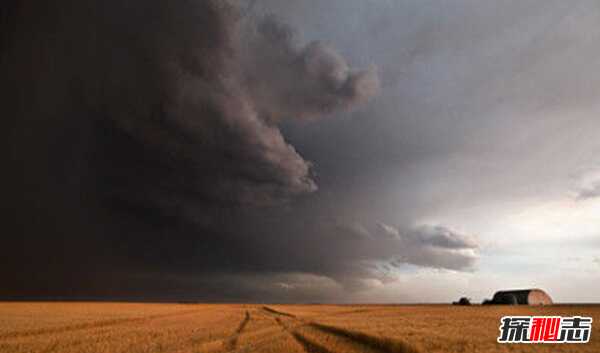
(146, 158)
(207, 103)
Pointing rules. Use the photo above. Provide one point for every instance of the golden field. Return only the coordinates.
(132, 328)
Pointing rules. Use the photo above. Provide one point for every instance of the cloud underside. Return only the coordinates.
(155, 158)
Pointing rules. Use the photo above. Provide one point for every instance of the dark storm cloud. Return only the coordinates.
(353, 253)
(216, 88)
(360, 255)
(140, 133)
(432, 246)
(304, 82)
(165, 149)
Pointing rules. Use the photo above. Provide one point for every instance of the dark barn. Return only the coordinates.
(521, 297)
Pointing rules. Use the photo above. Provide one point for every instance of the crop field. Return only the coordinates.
(178, 328)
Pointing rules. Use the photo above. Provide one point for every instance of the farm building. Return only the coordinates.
(462, 301)
(521, 297)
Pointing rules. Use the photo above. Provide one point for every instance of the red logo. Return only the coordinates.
(545, 329)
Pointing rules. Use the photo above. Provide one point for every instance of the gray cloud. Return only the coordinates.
(361, 253)
(388, 231)
(353, 230)
(432, 246)
(212, 104)
(304, 81)
(441, 237)
(183, 143)
(589, 192)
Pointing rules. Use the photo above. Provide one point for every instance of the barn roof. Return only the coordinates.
(534, 296)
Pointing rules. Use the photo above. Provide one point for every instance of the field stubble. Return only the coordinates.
(188, 328)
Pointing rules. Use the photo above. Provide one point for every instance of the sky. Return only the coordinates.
(300, 151)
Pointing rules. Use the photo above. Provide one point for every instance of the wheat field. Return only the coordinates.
(152, 328)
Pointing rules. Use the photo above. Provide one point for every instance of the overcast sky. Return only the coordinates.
(314, 150)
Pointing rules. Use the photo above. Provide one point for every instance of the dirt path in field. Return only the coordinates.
(260, 342)
(308, 345)
(231, 343)
(277, 312)
(363, 342)
(290, 325)
(375, 343)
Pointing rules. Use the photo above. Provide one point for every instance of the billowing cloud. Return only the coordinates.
(432, 246)
(304, 81)
(441, 237)
(360, 255)
(150, 128)
(209, 103)
(201, 148)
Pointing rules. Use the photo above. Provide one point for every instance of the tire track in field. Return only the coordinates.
(262, 342)
(307, 345)
(277, 312)
(380, 344)
(361, 339)
(231, 342)
(91, 325)
(288, 323)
